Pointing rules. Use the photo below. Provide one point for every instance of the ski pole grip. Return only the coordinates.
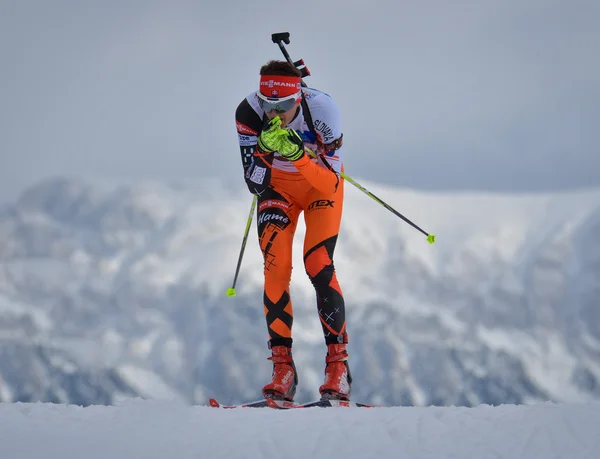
(281, 36)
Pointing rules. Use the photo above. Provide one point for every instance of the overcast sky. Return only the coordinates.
(462, 95)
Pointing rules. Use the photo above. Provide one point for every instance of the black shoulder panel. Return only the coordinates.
(247, 120)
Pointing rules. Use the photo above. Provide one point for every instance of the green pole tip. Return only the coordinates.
(431, 238)
(230, 292)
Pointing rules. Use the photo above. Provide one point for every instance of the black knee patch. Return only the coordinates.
(287, 342)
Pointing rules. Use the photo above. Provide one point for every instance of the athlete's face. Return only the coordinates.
(286, 117)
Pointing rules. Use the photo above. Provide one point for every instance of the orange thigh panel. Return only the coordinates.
(323, 215)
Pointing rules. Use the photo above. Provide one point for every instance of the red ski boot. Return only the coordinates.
(285, 379)
(337, 374)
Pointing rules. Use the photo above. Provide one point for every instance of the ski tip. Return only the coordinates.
(431, 238)
(231, 292)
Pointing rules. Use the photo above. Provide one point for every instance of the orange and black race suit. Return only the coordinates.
(285, 189)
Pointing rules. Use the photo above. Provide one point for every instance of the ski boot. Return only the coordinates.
(337, 374)
(284, 382)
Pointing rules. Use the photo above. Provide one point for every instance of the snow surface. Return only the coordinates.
(159, 429)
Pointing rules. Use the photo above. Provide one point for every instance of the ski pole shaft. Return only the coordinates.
(231, 290)
(430, 237)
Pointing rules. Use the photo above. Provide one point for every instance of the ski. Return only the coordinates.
(321, 403)
(256, 404)
(263, 403)
(286, 405)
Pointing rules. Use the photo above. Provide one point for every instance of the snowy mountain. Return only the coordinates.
(157, 429)
(109, 291)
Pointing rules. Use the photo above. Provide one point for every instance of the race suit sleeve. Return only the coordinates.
(257, 165)
(324, 179)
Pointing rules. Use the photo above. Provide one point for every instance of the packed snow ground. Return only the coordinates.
(162, 429)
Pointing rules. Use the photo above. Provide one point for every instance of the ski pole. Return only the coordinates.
(231, 290)
(430, 237)
(284, 38)
(278, 38)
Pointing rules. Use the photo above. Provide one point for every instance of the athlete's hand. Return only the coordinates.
(269, 137)
(290, 145)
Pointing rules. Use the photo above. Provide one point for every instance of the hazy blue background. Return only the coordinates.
(494, 95)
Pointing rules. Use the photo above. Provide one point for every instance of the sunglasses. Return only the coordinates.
(278, 105)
